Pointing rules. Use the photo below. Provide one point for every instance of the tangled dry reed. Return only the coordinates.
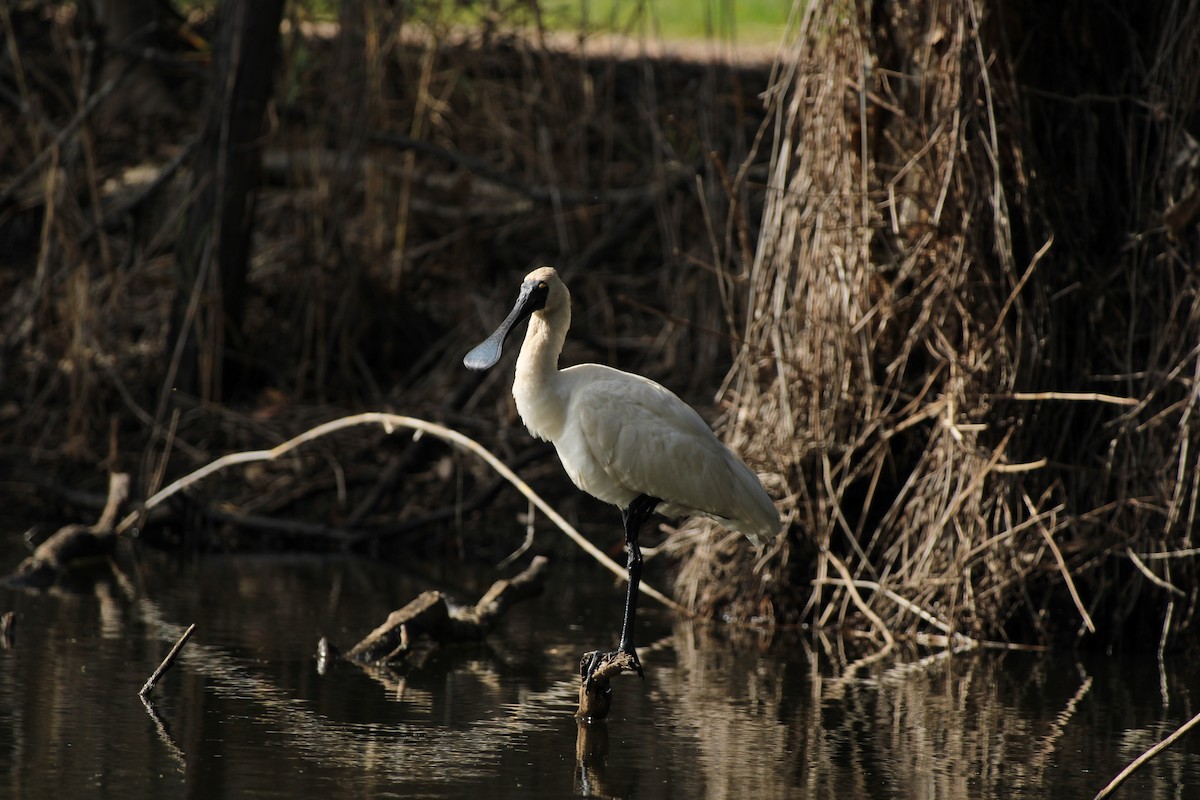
(971, 356)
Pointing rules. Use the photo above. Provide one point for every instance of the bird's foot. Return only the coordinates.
(596, 667)
(596, 670)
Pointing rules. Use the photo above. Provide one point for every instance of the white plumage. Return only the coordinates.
(624, 435)
(622, 438)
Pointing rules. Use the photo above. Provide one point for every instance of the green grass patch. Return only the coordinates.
(736, 20)
(749, 21)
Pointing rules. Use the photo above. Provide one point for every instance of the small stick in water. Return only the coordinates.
(1141, 760)
(150, 683)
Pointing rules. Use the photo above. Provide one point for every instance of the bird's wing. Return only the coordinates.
(650, 442)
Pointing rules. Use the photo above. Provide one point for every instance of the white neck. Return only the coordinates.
(535, 387)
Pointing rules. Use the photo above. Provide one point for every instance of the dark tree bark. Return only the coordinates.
(213, 252)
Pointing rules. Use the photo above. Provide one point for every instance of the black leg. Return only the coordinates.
(634, 516)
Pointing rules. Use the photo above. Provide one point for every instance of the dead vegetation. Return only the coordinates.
(411, 171)
(971, 355)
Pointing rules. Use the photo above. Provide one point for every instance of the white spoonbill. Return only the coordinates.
(622, 438)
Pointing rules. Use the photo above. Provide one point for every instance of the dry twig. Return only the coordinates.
(167, 663)
(1145, 757)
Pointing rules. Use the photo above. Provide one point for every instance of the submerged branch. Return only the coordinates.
(73, 542)
(434, 618)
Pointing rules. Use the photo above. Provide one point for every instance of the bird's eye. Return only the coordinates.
(542, 286)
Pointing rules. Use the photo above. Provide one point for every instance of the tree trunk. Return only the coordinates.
(213, 253)
(971, 347)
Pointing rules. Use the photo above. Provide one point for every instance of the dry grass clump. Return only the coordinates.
(971, 354)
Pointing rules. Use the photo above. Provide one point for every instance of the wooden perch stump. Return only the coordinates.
(433, 618)
(595, 696)
(73, 542)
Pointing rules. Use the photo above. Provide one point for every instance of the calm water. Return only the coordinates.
(244, 712)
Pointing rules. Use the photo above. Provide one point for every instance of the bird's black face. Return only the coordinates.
(532, 298)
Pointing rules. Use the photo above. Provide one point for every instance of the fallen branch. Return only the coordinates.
(432, 618)
(73, 542)
(277, 525)
(133, 201)
(390, 422)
